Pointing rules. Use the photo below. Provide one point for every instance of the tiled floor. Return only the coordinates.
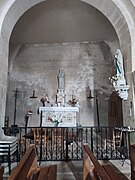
(72, 170)
(125, 169)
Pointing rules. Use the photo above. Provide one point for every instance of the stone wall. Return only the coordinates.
(87, 65)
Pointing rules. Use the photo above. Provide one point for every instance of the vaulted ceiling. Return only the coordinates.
(62, 21)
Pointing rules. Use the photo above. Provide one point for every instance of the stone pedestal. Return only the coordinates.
(60, 98)
(121, 88)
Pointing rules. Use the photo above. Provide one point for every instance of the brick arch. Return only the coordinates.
(12, 10)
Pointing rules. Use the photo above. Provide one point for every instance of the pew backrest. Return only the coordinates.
(93, 166)
(132, 156)
(26, 166)
(1, 172)
(92, 169)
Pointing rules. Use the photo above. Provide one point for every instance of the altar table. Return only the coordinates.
(66, 115)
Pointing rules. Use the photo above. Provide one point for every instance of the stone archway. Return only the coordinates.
(12, 10)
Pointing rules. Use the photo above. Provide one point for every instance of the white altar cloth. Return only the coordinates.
(68, 116)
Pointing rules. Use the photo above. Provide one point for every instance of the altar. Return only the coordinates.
(63, 116)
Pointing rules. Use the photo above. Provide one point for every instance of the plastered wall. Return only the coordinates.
(87, 65)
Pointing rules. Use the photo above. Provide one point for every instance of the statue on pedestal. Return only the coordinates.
(118, 61)
(61, 88)
(61, 79)
(118, 80)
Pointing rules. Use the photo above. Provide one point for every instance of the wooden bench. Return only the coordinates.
(1, 172)
(28, 168)
(92, 169)
(132, 156)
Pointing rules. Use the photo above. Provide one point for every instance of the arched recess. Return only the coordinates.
(12, 10)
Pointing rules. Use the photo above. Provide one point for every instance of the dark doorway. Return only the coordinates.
(115, 115)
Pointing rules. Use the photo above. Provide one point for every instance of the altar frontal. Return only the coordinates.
(59, 116)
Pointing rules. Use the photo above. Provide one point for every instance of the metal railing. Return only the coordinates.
(64, 144)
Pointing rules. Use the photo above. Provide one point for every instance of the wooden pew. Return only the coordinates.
(1, 172)
(132, 156)
(93, 170)
(28, 168)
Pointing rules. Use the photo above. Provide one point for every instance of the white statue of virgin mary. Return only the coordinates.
(118, 61)
(120, 86)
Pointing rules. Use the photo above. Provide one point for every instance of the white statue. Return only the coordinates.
(120, 82)
(61, 79)
(118, 61)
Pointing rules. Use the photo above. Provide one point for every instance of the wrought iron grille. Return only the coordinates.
(64, 144)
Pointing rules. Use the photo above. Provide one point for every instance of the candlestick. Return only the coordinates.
(33, 95)
(90, 95)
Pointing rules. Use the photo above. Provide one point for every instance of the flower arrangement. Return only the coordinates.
(114, 79)
(55, 119)
(44, 100)
(73, 102)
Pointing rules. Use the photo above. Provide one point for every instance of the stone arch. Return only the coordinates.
(12, 10)
(122, 22)
(115, 12)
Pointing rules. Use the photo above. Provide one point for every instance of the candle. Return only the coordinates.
(90, 93)
(34, 93)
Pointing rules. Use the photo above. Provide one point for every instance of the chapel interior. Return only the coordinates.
(46, 38)
(67, 78)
